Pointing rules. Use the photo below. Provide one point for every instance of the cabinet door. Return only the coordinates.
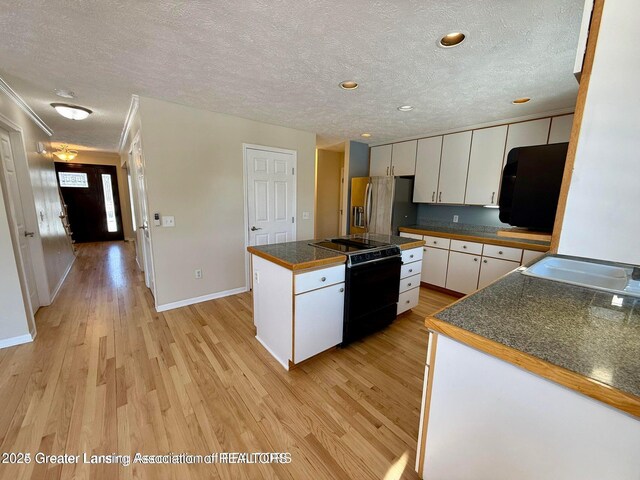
(493, 268)
(425, 187)
(434, 266)
(453, 167)
(485, 166)
(525, 134)
(318, 321)
(561, 129)
(462, 273)
(403, 158)
(380, 162)
(529, 256)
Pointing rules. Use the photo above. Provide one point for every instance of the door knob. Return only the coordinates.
(254, 228)
(143, 227)
(29, 234)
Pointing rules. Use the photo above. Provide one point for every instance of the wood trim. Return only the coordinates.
(409, 246)
(473, 238)
(427, 403)
(587, 386)
(585, 77)
(524, 234)
(442, 290)
(337, 260)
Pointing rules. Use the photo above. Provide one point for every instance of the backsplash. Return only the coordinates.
(467, 214)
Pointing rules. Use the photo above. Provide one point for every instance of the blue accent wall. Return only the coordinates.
(469, 214)
(358, 167)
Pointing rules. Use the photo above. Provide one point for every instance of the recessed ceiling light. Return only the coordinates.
(72, 112)
(520, 101)
(64, 93)
(365, 135)
(348, 85)
(452, 39)
(405, 108)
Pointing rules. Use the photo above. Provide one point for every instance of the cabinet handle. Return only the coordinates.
(475, 259)
(435, 243)
(424, 249)
(433, 197)
(408, 284)
(393, 169)
(341, 290)
(408, 301)
(323, 279)
(387, 171)
(464, 246)
(484, 261)
(500, 252)
(410, 270)
(493, 194)
(440, 198)
(410, 256)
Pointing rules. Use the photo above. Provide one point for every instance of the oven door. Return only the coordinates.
(372, 297)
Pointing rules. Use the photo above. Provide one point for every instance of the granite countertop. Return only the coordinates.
(300, 255)
(482, 232)
(592, 333)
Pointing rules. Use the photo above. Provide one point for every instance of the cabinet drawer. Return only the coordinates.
(466, 247)
(529, 256)
(412, 255)
(437, 242)
(508, 253)
(411, 235)
(305, 282)
(408, 300)
(410, 269)
(409, 282)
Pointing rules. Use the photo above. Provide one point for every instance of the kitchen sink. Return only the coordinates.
(584, 273)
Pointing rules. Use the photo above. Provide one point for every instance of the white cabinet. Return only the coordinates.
(403, 158)
(380, 161)
(434, 266)
(529, 256)
(453, 168)
(524, 134)
(503, 253)
(493, 268)
(462, 274)
(318, 321)
(427, 170)
(485, 166)
(411, 235)
(561, 129)
(410, 279)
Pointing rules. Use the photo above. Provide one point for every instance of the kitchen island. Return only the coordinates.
(530, 378)
(299, 292)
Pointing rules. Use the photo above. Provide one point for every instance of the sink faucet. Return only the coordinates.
(635, 275)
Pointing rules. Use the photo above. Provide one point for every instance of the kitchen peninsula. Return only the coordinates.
(299, 293)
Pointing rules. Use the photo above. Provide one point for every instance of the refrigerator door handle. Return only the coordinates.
(367, 206)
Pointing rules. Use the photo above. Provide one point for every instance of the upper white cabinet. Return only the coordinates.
(524, 134)
(561, 129)
(485, 165)
(427, 170)
(453, 167)
(403, 158)
(380, 161)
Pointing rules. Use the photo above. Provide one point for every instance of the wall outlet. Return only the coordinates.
(305, 215)
(256, 277)
(455, 219)
(168, 221)
(198, 273)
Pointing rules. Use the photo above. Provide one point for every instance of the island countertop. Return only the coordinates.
(301, 255)
(584, 339)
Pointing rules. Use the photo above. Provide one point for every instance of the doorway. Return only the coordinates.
(93, 202)
(329, 194)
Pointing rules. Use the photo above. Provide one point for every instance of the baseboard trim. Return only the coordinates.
(442, 290)
(285, 364)
(19, 340)
(203, 298)
(61, 282)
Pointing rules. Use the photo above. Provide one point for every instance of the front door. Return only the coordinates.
(93, 204)
(271, 190)
(16, 216)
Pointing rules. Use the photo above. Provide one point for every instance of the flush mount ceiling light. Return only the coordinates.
(65, 154)
(64, 93)
(452, 39)
(520, 101)
(365, 135)
(405, 108)
(72, 112)
(348, 85)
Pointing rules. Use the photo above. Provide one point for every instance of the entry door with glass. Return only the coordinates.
(93, 204)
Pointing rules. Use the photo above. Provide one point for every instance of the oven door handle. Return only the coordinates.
(367, 206)
(375, 260)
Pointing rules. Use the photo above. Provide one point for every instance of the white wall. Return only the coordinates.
(194, 171)
(601, 219)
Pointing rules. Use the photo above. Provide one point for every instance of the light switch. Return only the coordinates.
(305, 215)
(168, 221)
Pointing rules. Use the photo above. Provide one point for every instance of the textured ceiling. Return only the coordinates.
(281, 61)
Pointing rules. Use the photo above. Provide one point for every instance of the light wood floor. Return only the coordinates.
(108, 375)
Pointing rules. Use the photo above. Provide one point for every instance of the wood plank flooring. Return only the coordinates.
(107, 375)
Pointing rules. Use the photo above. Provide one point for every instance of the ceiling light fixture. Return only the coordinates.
(64, 93)
(365, 135)
(405, 108)
(452, 39)
(65, 154)
(72, 112)
(520, 101)
(348, 85)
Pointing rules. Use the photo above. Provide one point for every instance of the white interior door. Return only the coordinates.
(143, 234)
(17, 217)
(271, 192)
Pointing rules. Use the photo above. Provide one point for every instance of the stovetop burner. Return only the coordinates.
(359, 250)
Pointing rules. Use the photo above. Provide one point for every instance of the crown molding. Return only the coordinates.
(19, 101)
(128, 121)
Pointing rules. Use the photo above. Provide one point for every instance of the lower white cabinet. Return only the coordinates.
(408, 300)
(318, 321)
(530, 255)
(462, 274)
(493, 268)
(410, 279)
(434, 266)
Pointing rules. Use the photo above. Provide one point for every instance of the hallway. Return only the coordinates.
(108, 375)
